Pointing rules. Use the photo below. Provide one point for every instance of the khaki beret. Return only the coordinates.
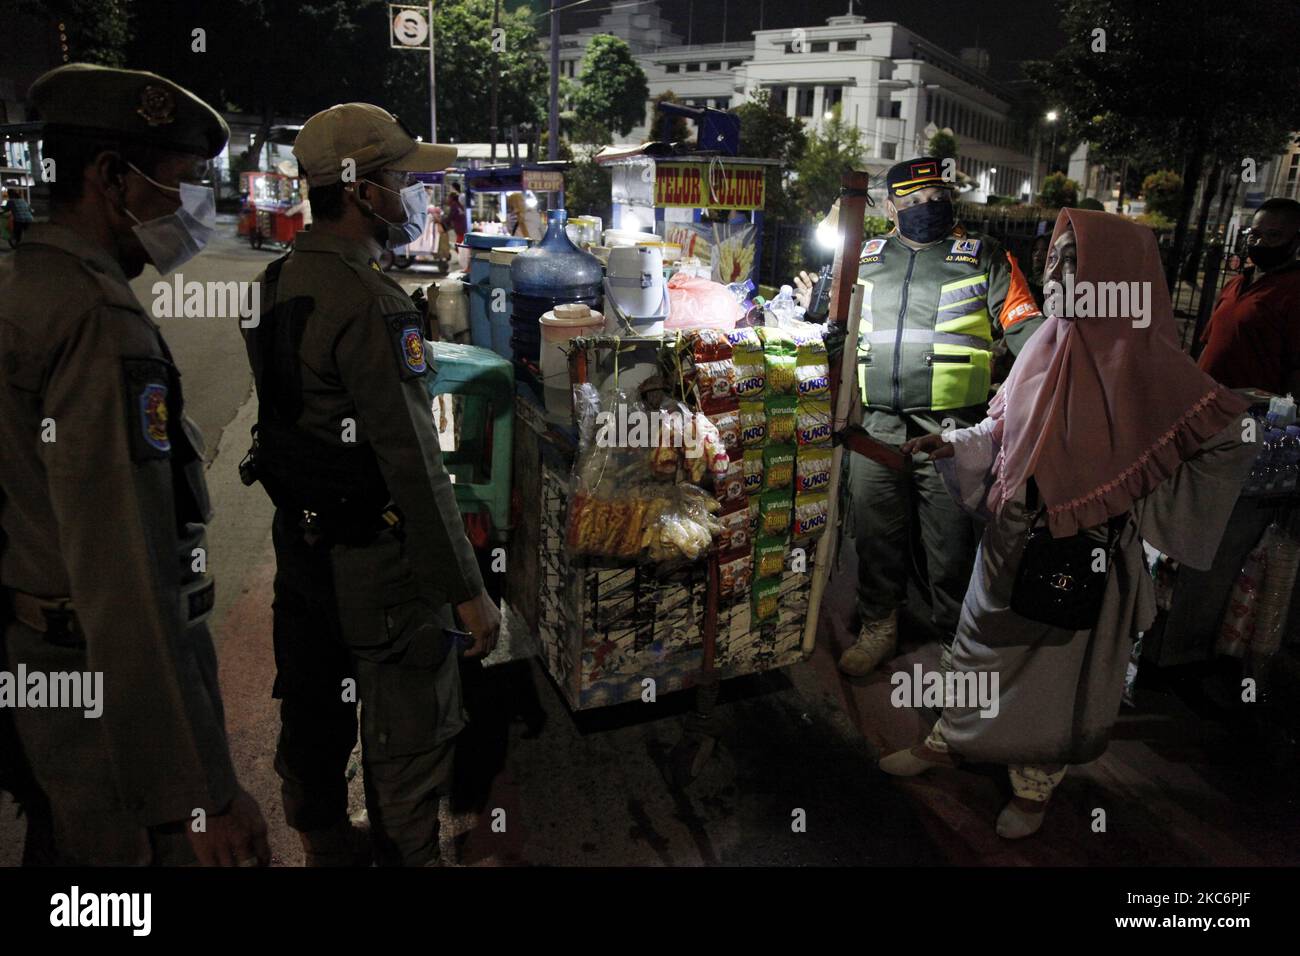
(131, 105)
(371, 137)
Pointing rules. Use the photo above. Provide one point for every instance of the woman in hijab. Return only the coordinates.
(1111, 421)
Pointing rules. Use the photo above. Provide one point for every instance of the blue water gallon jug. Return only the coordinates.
(554, 272)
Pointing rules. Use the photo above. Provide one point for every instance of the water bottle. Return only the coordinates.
(783, 307)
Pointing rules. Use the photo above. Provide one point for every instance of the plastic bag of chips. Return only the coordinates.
(778, 466)
(735, 571)
(767, 599)
(774, 512)
(753, 424)
(725, 415)
(812, 377)
(753, 459)
(715, 379)
(776, 341)
(731, 486)
(813, 424)
(708, 345)
(744, 342)
(780, 373)
(812, 470)
(781, 413)
(735, 525)
(769, 557)
(751, 376)
(810, 514)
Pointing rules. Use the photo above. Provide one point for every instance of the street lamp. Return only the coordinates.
(1051, 118)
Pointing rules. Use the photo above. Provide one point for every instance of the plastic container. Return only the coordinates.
(480, 264)
(452, 308)
(498, 301)
(558, 326)
(554, 272)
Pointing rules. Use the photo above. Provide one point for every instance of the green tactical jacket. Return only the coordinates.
(928, 321)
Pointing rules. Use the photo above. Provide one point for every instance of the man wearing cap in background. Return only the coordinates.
(935, 297)
(370, 547)
(102, 494)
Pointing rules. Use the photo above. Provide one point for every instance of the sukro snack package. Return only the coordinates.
(810, 514)
(753, 459)
(812, 470)
(753, 424)
(813, 424)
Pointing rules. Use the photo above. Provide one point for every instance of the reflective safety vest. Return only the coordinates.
(926, 335)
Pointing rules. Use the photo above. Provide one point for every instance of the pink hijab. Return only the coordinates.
(1098, 411)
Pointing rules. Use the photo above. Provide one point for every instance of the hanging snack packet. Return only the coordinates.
(809, 344)
(780, 374)
(778, 466)
(753, 515)
(751, 376)
(776, 341)
(735, 525)
(753, 424)
(708, 345)
(781, 412)
(745, 344)
(812, 470)
(774, 512)
(725, 415)
(735, 571)
(715, 379)
(731, 486)
(810, 513)
(813, 425)
(753, 458)
(812, 373)
(769, 557)
(767, 599)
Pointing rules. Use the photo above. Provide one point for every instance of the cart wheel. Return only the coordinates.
(255, 239)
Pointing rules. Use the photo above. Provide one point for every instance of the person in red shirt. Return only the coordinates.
(1253, 337)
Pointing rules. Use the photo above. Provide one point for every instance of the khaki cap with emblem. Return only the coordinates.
(131, 105)
(371, 137)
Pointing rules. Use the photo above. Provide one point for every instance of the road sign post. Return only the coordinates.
(411, 28)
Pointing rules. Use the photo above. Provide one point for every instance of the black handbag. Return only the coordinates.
(1059, 582)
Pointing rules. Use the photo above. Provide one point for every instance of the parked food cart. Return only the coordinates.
(272, 210)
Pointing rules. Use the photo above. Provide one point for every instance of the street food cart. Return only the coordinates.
(272, 207)
(426, 248)
(487, 187)
(17, 183)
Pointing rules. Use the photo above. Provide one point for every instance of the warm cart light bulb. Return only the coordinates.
(631, 222)
(828, 230)
(530, 199)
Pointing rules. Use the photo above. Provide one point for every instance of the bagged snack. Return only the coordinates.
(774, 512)
(735, 525)
(681, 524)
(810, 513)
(769, 557)
(745, 345)
(812, 375)
(781, 412)
(812, 470)
(776, 341)
(725, 415)
(780, 373)
(751, 376)
(753, 458)
(813, 425)
(731, 487)
(767, 599)
(753, 515)
(778, 466)
(809, 342)
(708, 345)
(735, 571)
(753, 424)
(715, 379)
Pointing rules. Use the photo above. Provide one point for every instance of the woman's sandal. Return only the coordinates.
(916, 760)
(1021, 818)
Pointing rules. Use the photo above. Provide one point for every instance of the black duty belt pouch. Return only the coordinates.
(1061, 582)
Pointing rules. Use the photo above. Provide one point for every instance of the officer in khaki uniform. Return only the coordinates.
(370, 547)
(102, 495)
(935, 297)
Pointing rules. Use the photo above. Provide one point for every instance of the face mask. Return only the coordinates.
(1271, 257)
(171, 241)
(927, 222)
(415, 205)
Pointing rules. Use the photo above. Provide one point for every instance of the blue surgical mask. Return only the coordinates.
(173, 240)
(416, 206)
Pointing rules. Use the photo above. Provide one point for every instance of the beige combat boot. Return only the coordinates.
(876, 644)
(344, 844)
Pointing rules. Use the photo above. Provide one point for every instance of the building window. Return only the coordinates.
(780, 98)
(692, 68)
(803, 104)
(722, 102)
(734, 64)
(895, 109)
(714, 66)
(833, 96)
(674, 67)
(842, 45)
(888, 150)
(821, 46)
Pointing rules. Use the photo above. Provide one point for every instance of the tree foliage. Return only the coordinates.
(832, 151)
(1059, 192)
(943, 145)
(97, 31)
(614, 90)
(1163, 190)
(678, 129)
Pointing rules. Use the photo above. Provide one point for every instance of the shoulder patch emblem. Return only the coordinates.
(966, 247)
(407, 336)
(873, 247)
(153, 416)
(413, 349)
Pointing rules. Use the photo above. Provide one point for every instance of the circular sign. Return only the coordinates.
(410, 27)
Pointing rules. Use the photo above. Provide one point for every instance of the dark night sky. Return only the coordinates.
(1012, 30)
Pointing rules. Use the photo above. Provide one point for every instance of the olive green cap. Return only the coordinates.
(371, 137)
(132, 105)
